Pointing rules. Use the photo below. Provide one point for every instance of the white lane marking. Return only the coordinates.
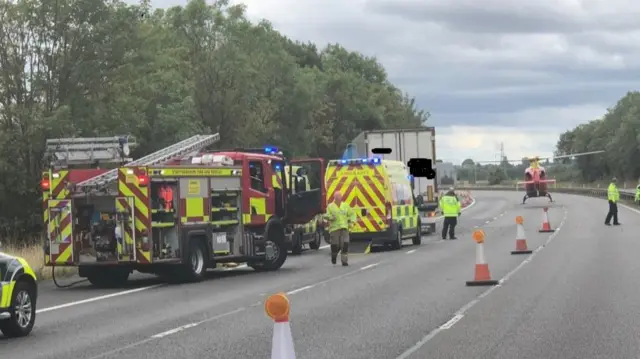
(451, 322)
(131, 291)
(191, 325)
(94, 299)
(461, 312)
(630, 208)
(370, 266)
(300, 289)
(168, 332)
(323, 247)
(411, 251)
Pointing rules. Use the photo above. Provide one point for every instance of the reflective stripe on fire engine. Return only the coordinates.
(59, 191)
(128, 187)
(60, 231)
(123, 205)
(257, 211)
(362, 189)
(195, 210)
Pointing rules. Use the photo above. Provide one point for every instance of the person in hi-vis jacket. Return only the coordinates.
(451, 209)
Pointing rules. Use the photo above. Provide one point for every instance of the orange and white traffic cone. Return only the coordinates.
(277, 307)
(521, 240)
(546, 227)
(482, 275)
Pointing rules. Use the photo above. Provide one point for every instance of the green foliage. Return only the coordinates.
(618, 133)
(99, 68)
(496, 175)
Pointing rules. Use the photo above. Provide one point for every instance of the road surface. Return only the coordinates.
(575, 298)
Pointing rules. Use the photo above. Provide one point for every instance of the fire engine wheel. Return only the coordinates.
(274, 260)
(195, 268)
(23, 311)
(317, 240)
(109, 277)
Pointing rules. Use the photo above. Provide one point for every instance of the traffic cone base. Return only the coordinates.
(482, 277)
(521, 247)
(482, 283)
(546, 227)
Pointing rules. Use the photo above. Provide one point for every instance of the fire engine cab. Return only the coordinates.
(177, 212)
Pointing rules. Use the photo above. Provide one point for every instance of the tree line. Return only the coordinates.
(617, 133)
(94, 68)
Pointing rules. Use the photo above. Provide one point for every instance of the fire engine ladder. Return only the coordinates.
(190, 145)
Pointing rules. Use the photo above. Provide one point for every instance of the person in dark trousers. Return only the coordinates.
(613, 195)
(451, 209)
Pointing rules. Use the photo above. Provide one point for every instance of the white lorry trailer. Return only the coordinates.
(406, 144)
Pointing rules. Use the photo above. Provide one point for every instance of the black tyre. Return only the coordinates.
(296, 243)
(397, 241)
(417, 240)
(22, 310)
(195, 268)
(109, 277)
(278, 249)
(317, 240)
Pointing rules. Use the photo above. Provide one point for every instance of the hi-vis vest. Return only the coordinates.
(340, 217)
(450, 206)
(612, 193)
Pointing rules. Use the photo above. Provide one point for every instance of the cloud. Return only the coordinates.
(489, 72)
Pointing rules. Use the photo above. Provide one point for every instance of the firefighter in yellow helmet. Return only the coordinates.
(613, 195)
(18, 294)
(340, 217)
(451, 209)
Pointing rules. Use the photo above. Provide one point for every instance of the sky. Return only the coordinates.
(489, 72)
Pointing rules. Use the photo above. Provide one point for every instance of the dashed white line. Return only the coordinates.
(451, 322)
(300, 289)
(460, 313)
(326, 246)
(369, 266)
(164, 334)
(94, 299)
(411, 251)
(191, 325)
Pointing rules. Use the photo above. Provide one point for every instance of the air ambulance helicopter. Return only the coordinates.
(535, 176)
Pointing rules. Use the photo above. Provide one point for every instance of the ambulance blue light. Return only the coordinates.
(376, 160)
(365, 160)
(343, 161)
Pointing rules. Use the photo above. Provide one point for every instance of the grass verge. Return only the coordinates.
(35, 257)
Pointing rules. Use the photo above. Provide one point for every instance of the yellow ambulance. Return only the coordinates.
(380, 193)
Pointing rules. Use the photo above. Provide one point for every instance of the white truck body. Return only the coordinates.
(405, 144)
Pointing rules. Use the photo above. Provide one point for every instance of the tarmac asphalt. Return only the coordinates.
(574, 297)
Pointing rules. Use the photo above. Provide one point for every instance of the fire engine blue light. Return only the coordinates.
(270, 149)
(278, 167)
